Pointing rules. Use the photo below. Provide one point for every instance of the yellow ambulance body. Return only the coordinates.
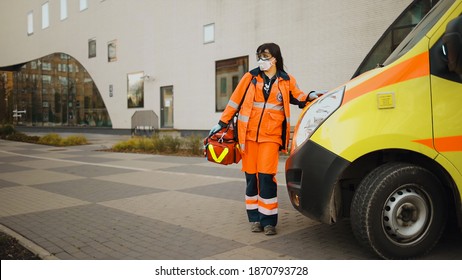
(385, 149)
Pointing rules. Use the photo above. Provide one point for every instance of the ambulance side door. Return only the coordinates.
(446, 88)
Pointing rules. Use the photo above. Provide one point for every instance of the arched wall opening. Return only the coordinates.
(54, 90)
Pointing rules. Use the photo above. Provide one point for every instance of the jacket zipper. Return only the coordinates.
(266, 96)
(259, 123)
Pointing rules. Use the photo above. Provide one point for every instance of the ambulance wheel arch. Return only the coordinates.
(359, 169)
(412, 204)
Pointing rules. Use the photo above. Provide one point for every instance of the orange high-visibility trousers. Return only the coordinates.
(260, 163)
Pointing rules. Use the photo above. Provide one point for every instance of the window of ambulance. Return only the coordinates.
(420, 30)
(395, 34)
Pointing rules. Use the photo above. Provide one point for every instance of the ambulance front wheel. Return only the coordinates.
(399, 211)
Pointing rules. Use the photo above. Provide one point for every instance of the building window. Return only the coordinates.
(83, 5)
(63, 10)
(30, 23)
(91, 48)
(46, 79)
(112, 51)
(166, 107)
(135, 90)
(45, 15)
(227, 74)
(209, 33)
(46, 66)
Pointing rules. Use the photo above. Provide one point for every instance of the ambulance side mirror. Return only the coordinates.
(452, 45)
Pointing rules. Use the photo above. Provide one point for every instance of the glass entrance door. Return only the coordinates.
(166, 107)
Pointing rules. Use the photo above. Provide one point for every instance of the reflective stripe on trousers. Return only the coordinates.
(261, 198)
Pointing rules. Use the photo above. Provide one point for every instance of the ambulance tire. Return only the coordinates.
(399, 211)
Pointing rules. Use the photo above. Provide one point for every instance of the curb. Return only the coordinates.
(29, 245)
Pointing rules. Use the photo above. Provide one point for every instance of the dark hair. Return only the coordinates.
(275, 51)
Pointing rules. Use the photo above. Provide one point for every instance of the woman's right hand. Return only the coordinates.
(215, 129)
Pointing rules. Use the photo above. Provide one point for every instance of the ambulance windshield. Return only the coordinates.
(420, 30)
(395, 34)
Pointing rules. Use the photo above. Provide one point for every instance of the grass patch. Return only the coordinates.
(188, 146)
(74, 140)
(8, 132)
(168, 145)
(54, 139)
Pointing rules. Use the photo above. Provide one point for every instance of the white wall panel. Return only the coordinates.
(323, 42)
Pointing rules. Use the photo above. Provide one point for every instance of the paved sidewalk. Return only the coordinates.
(79, 203)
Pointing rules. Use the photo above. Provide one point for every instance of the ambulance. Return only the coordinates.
(385, 149)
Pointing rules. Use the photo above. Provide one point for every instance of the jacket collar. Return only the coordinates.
(281, 74)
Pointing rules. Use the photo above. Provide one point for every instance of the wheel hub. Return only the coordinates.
(405, 215)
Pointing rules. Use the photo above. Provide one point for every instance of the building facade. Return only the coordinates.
(173, 62)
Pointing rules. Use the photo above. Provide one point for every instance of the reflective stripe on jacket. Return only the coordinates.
(259, 119)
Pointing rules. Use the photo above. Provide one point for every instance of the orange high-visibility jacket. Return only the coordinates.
(260, 120)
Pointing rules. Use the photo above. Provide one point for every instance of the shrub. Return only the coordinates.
(194, 144)
(125, 146)
(145, 144)
(159, 144)
(74, 140)
(173, 143)
(52, 139)
(6, 130)
(21, 137)
(134, 144)
(120, 146)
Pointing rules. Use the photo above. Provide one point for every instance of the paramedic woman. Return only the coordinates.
(263, 131)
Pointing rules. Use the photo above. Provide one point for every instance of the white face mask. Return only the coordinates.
(264, 64)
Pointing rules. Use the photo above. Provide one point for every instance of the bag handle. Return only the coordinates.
(220, 140)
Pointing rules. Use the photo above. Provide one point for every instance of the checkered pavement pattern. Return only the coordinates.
(81, 203)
